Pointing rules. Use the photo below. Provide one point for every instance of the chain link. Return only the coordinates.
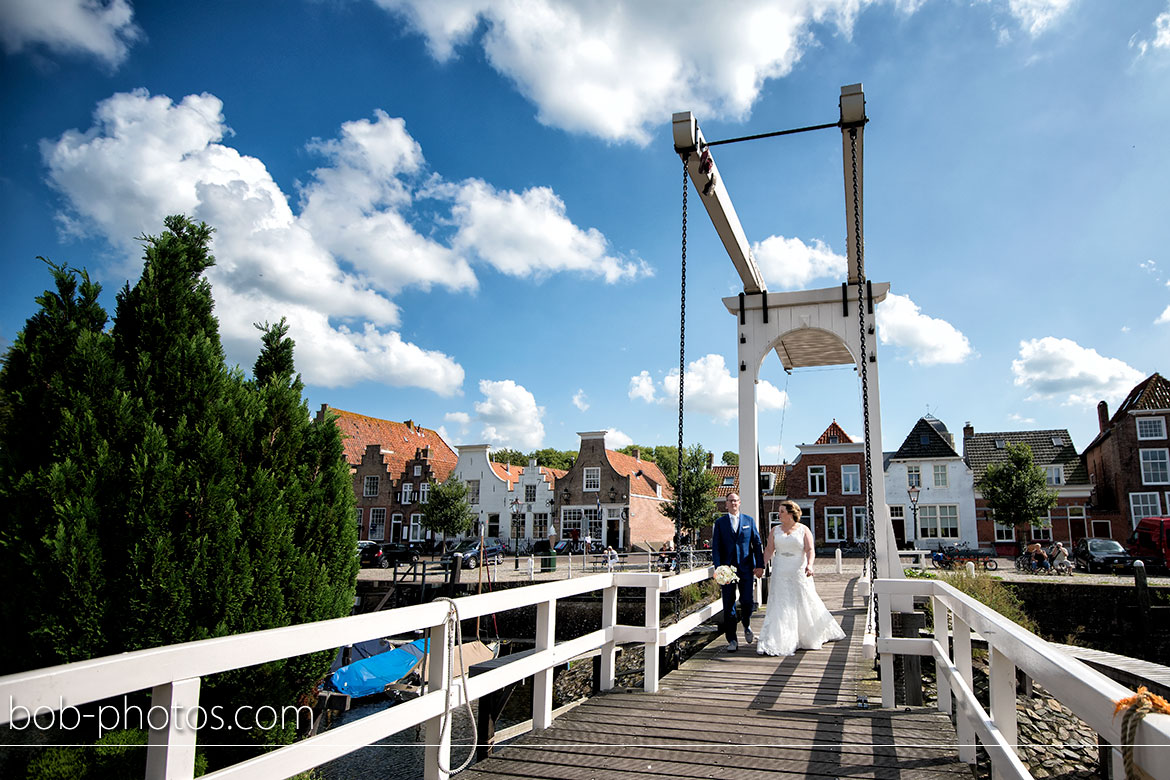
(864, 359)
(682, 351)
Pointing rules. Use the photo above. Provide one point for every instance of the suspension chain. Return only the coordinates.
(682, 352)
(864, 358)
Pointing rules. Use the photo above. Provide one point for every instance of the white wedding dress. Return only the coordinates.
(796, 617)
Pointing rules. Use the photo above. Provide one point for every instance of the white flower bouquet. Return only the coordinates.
(725, 575)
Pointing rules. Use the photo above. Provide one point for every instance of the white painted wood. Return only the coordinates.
(437, 764)
(542, 681)
(650, 648)
(535, 664)
(609, 649)
(942, 636)
(853, 112)
(671, 633)
(1003, 701)
(886, 631)
(963, 725)
(173, 719)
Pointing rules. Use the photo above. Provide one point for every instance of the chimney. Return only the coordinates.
(710, 460)
(1103, 415)
(968, 430)
(637, 454)
(409, 424)
(321, 414)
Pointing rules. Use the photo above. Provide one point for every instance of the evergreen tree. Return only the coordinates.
(696, 493)
(447, 511)
(1016, 489)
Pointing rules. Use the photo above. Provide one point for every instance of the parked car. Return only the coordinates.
(1151, 542)
(1101, 554)
(389, 554)
(493, 552)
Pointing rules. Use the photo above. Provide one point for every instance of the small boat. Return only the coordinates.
(387, 672)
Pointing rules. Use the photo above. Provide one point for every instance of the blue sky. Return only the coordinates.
(470, 211)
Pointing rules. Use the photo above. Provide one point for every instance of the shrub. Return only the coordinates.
(993, 594)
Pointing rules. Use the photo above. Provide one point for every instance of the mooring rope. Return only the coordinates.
(454, 639)
(1136, 707)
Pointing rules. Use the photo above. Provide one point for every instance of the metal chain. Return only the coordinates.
(682, 351)
(864, 358)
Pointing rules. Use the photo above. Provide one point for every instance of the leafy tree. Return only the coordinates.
(730, 458)
(447, 511)
(696, 493)
(1016, 489)
(513, 457)
(554, 459)
(665, 457)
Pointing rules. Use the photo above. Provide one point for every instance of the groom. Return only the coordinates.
(735, 542)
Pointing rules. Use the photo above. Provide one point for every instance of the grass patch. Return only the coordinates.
(992, 593)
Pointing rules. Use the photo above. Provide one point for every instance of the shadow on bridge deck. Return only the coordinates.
(743, 715)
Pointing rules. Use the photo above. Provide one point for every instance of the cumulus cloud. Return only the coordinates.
(333, 269)
(710, 389)
(1161, 36)
(580, 401)
(509, 415)
(1021, 420)
(615, 439)
(1060, 369)
(1164, 317)
(104, 30)
(789, 263)
(928, 340)
(1035, 16)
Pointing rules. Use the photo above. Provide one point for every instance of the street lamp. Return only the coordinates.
(913, 492)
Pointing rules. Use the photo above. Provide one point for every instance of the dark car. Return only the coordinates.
(389, 554)
(493, 552)
(1101, 555)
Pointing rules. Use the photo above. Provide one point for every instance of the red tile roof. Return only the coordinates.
(834, 430)
(643, 474)
(399, 441)
(507, 472)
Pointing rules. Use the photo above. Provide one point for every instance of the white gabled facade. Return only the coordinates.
(488, 493)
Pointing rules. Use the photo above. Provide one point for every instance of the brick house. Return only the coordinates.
(1053, 451)
(1129, 460)
(773, 490)
(929, 461)
(393, 464)
(613, 498)
(827, 481)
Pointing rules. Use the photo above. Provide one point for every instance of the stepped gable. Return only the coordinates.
(400, 442)
(834, 431)
(983, 449)
(507, 472)
(643, 474)
(928, 438)
(779, 486)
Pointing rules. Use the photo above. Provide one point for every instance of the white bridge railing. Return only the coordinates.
(173, 673)
(1085, 691)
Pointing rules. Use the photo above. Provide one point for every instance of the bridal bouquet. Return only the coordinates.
(725, 575)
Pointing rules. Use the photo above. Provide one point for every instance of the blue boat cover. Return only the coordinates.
(372, 675)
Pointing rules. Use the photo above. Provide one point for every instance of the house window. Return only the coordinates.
(530, 493)
(913, 477)
(570, 521)
(1155, 467)
(766, 480)
(851, 479)
(371, 488)
(834, 439)
(1000, 444)
(940, 475)
(418, 471)
(595, 529)
(1151, 428)
(835, 524)
(860, 526)
(1057, 441)
(1054, 475)
(1102, 529)
(773, 518)
(416, 528)
(938, 521)
(493, 526)
(378, 523)
(395, 528)
(729, 482)
(407, 491)
(1003, 533)
(592, 478)
(424, 492)
(816, 480)
(897, 512)
(358, 517)
(1143, 505)
(473, 491)
(1043, 532)
(540, 525)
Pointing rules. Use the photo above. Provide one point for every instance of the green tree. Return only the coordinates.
(554, 459)
(448, 512)
(663, 456)
(730, 458)
(1016, 489)
(513, 457)
(696, 492)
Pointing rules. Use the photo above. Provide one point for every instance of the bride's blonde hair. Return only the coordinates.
(793, 509)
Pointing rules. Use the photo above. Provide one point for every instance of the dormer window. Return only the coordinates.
(729, 482)
(1054, 475)
(1057, 441)
(834, 439)
(1000, 444)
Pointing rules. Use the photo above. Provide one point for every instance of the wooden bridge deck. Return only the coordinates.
(743, 715)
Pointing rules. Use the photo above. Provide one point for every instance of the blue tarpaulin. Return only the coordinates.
(373, 674)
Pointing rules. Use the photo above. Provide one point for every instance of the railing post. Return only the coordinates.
(942, 636)
(886, 630)
(650, 649)
(438, 747)
(170, 754)
(1002, 698)
(609, 649)
(963, 725)
(542, 682)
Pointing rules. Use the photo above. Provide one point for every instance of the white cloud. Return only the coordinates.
(928, 340)
(527, 234)
(711, 389)
(1060, 369)
(509, 415)
(615, 439)
(642, 386)
(104, 30)
(1164, 317)
(580, 401)
(1020, 419)
(1161, 39)
(1036, 15)
(773, 452)
(460, 418)
(789, 263)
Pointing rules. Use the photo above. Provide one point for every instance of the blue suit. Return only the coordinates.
(743, 552)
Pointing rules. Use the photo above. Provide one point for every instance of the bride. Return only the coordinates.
(796, 617)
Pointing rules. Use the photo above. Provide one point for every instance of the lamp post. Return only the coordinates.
(913, 492)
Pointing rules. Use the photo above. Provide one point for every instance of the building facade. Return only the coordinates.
(827, 482)
(945, 511)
